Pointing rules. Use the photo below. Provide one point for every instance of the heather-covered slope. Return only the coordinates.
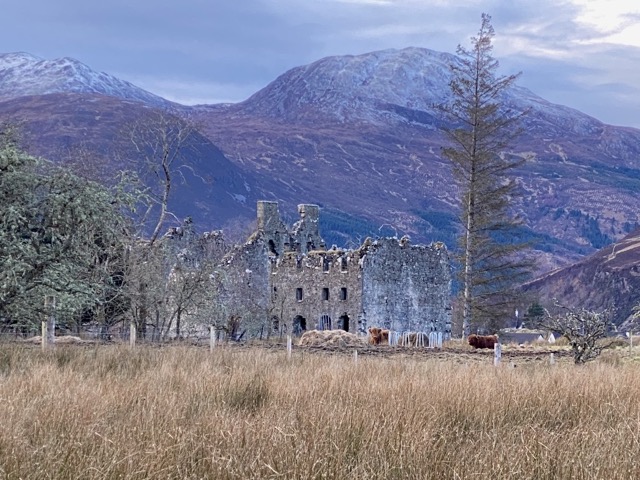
(609, 278)
(90, 132)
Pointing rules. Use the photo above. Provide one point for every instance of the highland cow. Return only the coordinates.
(384, 336)
(378, 336)
(374, 335)
(483, 341)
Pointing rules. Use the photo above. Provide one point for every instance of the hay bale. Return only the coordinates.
(70, 339)
(334, 338)
(62, 340)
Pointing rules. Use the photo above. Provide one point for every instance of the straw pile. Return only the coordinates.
(334, 338)
(62, 340)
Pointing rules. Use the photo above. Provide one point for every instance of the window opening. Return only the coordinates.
(272, 248)
(325, 264)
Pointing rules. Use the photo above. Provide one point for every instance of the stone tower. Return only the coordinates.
(270, 225)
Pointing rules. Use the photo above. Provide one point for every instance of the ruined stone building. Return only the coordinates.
(300, 285)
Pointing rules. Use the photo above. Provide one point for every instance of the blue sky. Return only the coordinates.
(581, 53)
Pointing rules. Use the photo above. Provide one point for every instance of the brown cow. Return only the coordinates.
(378, 336)
(374, 335)
(483, 341)
(384, 336)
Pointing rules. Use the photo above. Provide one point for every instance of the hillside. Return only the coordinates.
(607, 279)
(89, 131)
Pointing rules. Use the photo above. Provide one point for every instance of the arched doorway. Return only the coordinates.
(299, 325)
(343, 322)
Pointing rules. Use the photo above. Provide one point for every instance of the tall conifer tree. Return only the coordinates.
(483, 129)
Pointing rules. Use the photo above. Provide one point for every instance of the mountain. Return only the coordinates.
(23, 74)
(607, 279)
(360, 136)
(389, 86)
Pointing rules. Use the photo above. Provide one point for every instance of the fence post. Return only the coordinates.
(439, 339)
(497, 354)
(43, 335)
(132, 334)
(50, 330)
(212, 338)
(288, 347)
(552, 359)
(355, 357)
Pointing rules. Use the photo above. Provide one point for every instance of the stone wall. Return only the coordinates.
(406, 287)
(272, 229)
(244, 288)
(322, 287)
(305, 233)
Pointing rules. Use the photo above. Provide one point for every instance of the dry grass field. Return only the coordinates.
(102, 412)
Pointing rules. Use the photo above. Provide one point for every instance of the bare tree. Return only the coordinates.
(241, 308)
(584, 329)
(190, 285)
(162, 142)
(159, 145)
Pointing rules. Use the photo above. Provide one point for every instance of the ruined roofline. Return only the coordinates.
(303, 237)
(267, 210)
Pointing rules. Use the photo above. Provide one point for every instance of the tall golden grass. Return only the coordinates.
(183, 412)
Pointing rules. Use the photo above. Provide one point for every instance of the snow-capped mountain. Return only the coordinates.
(23, 74)
(383, 86)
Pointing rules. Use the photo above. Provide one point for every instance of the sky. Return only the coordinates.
(581, 53)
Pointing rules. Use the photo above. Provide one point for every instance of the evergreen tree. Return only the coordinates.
(59, 235)
(482, 130)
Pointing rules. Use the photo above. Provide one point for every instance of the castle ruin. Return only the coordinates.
(301, 285)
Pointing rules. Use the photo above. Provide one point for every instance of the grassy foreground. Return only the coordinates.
(180, 412)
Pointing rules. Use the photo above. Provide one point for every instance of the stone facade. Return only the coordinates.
(301, 285)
